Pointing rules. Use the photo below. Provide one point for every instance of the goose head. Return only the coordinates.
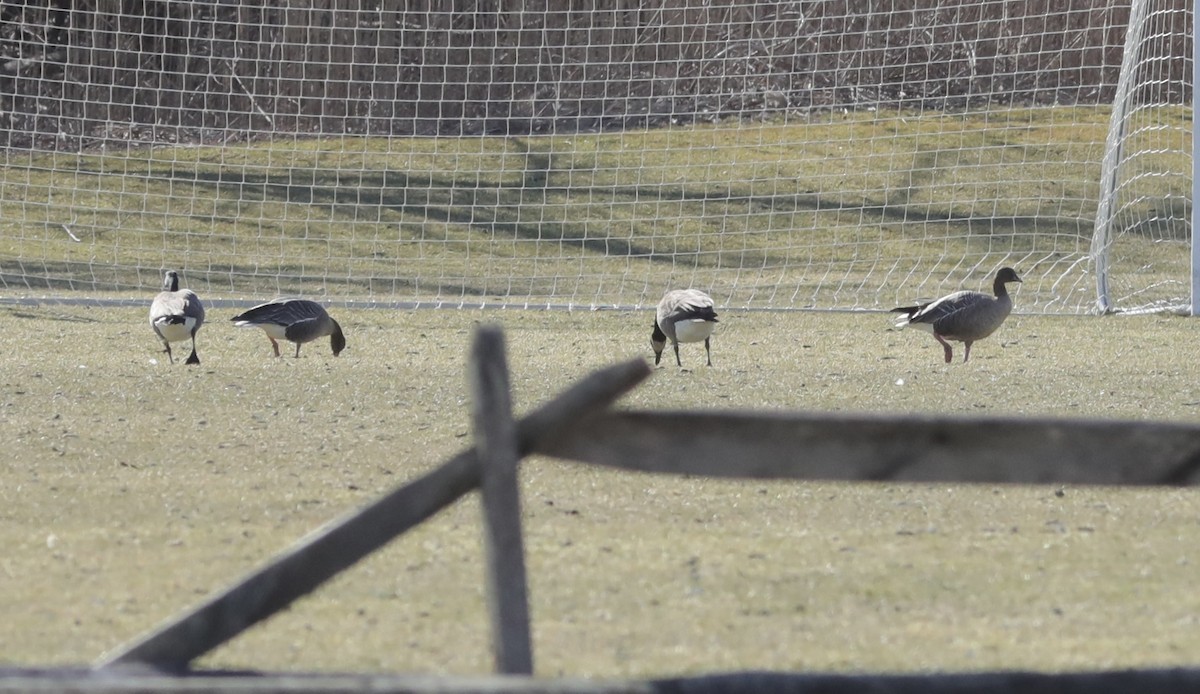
(1003, 277)
(658, 342)
(337, 340)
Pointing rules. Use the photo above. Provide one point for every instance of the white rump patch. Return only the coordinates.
(695, 330)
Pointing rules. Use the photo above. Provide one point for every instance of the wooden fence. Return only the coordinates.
(578, 425)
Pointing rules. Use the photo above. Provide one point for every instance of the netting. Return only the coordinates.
(841, 155)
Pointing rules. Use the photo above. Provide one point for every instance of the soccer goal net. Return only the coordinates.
(849, 154)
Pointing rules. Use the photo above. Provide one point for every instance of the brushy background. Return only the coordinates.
(130, 489)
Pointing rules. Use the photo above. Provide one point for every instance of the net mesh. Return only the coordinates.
(836, 155)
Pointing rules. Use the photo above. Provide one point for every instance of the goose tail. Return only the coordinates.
(909, 312)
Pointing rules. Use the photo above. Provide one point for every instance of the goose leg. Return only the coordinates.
(297, 350)
(677, 362)
(946, 346)
(193, 359)
(274, 345)
(170, 358)
(967, 352)
(707, 351)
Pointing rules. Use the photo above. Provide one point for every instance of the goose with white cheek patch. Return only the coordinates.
(175, 315)
(295, 320)
(963, 316)
(684, 315)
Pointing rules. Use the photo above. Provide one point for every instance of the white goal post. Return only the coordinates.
(1144, 199)
(847, 154)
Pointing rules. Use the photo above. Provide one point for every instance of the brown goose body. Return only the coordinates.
(175, 315)
(963, 316)
(295, 320)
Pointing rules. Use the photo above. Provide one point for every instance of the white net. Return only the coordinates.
(1143, 224)
(847, 154)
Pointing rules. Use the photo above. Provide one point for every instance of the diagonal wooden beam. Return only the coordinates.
(878, 447)
(337, 545)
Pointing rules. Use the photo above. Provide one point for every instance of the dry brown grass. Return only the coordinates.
(130, 490)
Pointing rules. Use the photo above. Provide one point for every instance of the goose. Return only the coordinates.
(175, 315)
(684, 315)
(294, 320)
(963, 316)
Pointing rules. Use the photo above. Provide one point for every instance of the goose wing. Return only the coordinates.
(965, 315)
(181, 307)
(282, 312)
(686, 304)
(945, 307)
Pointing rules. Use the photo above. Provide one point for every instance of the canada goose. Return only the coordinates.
(963, 316)
(176, 314)
(684, 315)
(294, 320)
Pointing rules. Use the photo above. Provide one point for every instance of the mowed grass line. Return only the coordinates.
(130, 490)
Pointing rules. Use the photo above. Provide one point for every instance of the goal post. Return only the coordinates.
(837, 155)
(1195, 294)
(1144, 199)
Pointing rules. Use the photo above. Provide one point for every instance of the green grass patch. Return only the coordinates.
(866, 199)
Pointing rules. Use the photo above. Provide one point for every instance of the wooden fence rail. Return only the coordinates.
(822, 446)
(578, 425)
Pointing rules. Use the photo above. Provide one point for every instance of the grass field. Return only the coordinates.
(131, 489)
(854, 210)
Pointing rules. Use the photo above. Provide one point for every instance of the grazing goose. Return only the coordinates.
(294, 320)
(684, 315)
(963, 316)
(176, 315)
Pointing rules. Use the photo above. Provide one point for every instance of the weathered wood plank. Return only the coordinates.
(900, 448)
(496, 450)
(121, 681)
(339, 544)
(1159, 681)
(1113, 682)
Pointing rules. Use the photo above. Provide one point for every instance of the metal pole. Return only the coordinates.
(1195, 160)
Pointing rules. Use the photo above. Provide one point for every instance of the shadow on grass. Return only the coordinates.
(509, 206)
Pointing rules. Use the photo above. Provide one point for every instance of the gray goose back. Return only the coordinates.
(176, 315)
(683, 315)
(298, 321)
